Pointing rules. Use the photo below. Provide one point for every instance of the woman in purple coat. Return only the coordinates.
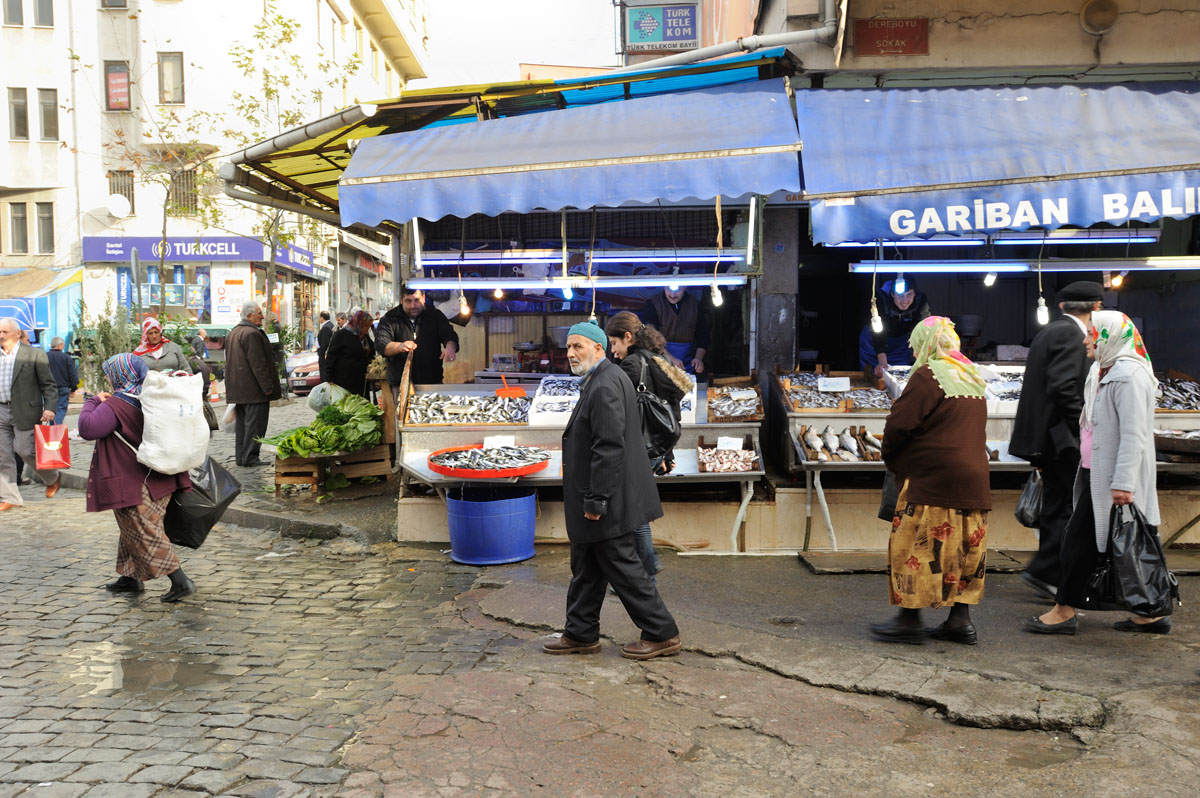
(117, 481)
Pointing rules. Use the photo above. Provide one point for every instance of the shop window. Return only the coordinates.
(18, 228)
(184, 200)
(43, 13)
(48, 104)
(113, 3)
(116, 86)
(45, 227)
(170, 78)
(13, 15)
(120, 181)
(18, 114)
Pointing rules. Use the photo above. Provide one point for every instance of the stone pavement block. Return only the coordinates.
(321, 775)
(24, 725)
(42, 771)
(10, 790)
(97, 755)
(134, 742)
(182, 794)
(268, 769)
(162, 774)
(27, 740)
(231, 721)
(105, 772)
(122, 791)
(154, 757)
(214, 761)
(231, 734)
(38, 754)
(211, 781)
(56, 790)
(270, 789)
(327, 733)
(279, 725)
(314, 758)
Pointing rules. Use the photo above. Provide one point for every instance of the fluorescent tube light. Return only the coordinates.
(1012, 238)
(936, 267)
(919, 242)
(576, 283)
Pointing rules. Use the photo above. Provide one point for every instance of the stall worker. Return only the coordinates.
(686, 324)
(901, 305)
(411, 326)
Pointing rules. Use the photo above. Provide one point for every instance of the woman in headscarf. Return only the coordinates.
(350, 353)
(935, 443)
(117, 481)
(1116, 467)
(160, 354)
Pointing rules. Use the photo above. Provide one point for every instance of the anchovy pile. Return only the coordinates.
(810, 397)
(496, 459)
(722, 405)
(870, 399)
(550, 404)
(725, 460)
(439, 408)
(1179, 395)
(559, 386)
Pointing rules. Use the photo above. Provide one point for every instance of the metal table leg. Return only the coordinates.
(740, 518)
(825, 509)
(807, 508)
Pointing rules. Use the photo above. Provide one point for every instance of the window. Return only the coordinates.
(18, 114)
(45, 227)
(18, 229)
(112, 3)
(116, 86)
(13, 15)
(120, 181)
(170, 78)
(43, 13)
(183, 198)
(48, 103)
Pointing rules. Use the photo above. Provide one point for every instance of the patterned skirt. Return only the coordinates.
(936, 556)
(143, 551)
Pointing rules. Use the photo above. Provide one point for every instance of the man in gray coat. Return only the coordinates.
(28, 394)
(608, 492)
(251, 382)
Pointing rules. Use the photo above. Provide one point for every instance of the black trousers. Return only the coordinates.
(1058, 481)
(615, 561)
(250, 423)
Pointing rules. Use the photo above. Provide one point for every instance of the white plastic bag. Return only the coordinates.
(229, 420)
(175, 434)
(324, 395)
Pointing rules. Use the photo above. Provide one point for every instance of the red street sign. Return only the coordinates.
(891, 37)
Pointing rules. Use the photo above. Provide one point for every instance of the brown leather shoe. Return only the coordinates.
(7, 506)
(565, 645)
(649, 649)
(53, 489)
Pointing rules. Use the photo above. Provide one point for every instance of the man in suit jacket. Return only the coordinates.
(28, 394)
(608, 492)
(251, 382)
(1046, 428)
(324, 336)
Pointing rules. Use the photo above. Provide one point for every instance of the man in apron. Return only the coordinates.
(686, 325)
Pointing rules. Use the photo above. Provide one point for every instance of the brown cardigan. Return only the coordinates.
(938, 444)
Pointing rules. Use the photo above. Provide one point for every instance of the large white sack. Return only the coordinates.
(175, 435)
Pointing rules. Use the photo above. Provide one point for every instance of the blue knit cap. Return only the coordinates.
(589, 330)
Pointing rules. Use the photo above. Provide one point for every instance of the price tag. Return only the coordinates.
(724, 442)
(496, 441)
(743, 394)
(833, 384)
(273, 337)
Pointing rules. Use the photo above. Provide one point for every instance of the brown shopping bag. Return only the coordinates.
(52, 447)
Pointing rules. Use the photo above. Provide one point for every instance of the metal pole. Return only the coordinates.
(135, 266)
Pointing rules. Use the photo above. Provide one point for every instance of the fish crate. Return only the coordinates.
(299, 471)
(786, 386)
(857, 401)
(747, 446)
(412, 405)
(1181, 387)
(814, 455)
(374, 461)
(866, 452)
(717, 386)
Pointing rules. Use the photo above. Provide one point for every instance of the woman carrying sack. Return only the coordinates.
(1117, 468)
(350, 353)
(636, 345)
(159, 353)
(117, 481)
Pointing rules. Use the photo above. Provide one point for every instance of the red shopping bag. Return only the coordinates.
(52, 446)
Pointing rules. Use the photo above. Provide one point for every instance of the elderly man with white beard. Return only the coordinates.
(608, 492)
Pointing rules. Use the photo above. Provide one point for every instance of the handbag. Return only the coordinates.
(1140, 577)
(660, 428)
(51, 446)
(210, 416)
(1029, 505)
(891, 495)
(191, 514)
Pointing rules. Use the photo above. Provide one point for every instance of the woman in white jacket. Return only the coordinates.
(1117, 466)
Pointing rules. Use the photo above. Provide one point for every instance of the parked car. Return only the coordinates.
(303, 373)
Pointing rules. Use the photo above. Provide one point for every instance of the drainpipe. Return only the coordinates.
(825, 34)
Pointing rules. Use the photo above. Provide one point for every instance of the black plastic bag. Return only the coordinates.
(1132, 575)
(1029, 505)
(191, 514)
(889, 497)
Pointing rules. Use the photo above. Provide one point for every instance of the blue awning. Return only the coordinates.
(725, 140)
(20, 309)
(890, 163)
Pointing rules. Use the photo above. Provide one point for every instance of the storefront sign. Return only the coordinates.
(106, 249)
(891, 37)
(295, 258)
(658, 28)
(197, 297)
(230, 290)
(125, 286)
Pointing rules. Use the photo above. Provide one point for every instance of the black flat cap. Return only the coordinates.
(1082, 291)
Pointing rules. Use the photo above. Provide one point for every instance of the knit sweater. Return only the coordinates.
(939, 444)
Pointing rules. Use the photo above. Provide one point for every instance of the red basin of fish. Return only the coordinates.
(481, 473)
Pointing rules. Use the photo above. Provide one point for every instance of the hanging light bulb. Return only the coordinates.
(1118, 279)
(463, 308)
(498, 293)
(876, 320)
(568, 293)
(900, 286)
(989, 279)
(1043, 312)
(717, 299)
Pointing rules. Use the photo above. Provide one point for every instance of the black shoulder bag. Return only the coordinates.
(660, 429)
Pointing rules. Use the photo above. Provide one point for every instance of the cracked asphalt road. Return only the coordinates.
(328, 669)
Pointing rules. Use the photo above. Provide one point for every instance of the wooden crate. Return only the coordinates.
(747, 446)
(299, 471)
(373, 462)
(785, 386)
(866, 452)
(750, 383)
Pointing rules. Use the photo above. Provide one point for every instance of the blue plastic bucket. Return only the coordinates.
(491, 525)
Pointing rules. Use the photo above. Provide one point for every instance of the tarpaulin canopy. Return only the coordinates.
(726, 140)
(891, 163)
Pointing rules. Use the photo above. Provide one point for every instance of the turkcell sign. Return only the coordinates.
(657, 28)
(101, 249)
(1019, 206)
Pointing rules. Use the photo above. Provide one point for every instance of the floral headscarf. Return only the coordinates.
(144, 347)
(1115, 338)
(125, 373)
(935, 344)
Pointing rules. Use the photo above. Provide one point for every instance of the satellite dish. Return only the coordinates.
(1099, 16)
(118, 206)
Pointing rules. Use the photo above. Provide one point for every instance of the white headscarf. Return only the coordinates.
(1115, 338)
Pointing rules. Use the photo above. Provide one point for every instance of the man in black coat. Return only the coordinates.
(62, 366)
(608, 492)
(1046, 428)
(324, 336)
(412, 327)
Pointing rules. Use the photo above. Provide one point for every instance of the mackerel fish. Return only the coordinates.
(439, 408)
(495, 459)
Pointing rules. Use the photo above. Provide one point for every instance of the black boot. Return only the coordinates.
(181, 587)
(125, 584)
